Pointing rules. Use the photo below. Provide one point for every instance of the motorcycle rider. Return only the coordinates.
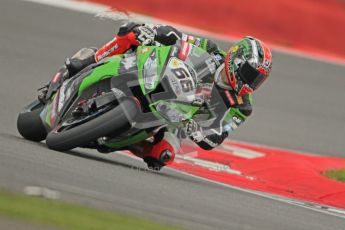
(239, 72)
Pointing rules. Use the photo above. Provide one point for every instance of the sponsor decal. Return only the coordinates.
(218, 59)
(62, 95)
(197, 42)
(179, 76)
(234, 49)
(234, 123)
(150, 72)
(54, 108)
(65, 92)
(230, 98)
(176, 86)
(184, 37)
(174, 63)
(211, 65)
(56, 77)
(204, 89)
(191, 39)
(108, 52)
(237, 120)
(239, 100)
(144, 50)
(210, 143)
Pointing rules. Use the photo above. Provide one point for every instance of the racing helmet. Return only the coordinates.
(248, 64)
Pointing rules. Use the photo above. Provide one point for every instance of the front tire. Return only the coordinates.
(114, 120)
(29, 123)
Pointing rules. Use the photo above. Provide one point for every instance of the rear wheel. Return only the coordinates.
(73, 133)
(29, 123)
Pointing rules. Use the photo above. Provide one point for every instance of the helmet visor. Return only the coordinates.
(251, 76)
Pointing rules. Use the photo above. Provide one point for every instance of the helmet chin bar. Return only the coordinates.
(245, 88)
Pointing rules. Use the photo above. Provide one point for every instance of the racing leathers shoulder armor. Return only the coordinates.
(229, 110)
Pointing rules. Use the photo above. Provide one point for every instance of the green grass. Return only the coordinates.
(68, 216)
(336, 174)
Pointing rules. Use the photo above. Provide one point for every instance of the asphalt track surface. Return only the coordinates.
(301, 108)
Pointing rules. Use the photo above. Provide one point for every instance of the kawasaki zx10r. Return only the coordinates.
(123, 99)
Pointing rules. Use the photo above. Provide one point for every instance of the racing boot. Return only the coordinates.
(159, 154)
(80, 60)
(166, 157)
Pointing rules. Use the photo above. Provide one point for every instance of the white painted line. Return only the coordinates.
(85, 7)
(294, 151)
(337, 211)
(33, 191)
(94, 8)
(41, 192)
(239, 152)
(51, 194)
(217, 167)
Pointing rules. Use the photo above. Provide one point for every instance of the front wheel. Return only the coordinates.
(115, 120)
(29, 123)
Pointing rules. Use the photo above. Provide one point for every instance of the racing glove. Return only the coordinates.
(206, 141)
(145, 35)
(194, 131)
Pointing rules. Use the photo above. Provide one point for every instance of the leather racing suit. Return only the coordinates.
(229, 109)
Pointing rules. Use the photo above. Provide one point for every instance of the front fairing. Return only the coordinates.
(71, 91)
(168, 81)
(184, 75)
(56, 106)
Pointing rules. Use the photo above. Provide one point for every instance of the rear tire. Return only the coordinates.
(29, 123)
(115, 120)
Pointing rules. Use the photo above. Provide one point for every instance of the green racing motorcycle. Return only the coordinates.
(123, 99)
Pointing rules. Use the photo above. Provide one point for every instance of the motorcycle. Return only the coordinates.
(122, 100)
